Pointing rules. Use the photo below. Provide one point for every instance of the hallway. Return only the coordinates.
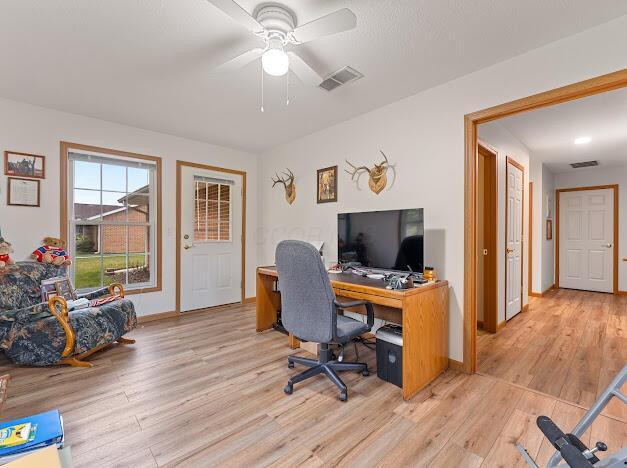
(570, 345)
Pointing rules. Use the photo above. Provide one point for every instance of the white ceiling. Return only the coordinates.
(148, 63)
(550, 133)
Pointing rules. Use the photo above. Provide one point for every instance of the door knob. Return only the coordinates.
(609, 246)
(187, 246)
(509, 250)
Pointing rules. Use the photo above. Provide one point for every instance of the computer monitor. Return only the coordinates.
(386, 240)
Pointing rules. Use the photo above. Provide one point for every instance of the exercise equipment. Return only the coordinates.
(570, 448)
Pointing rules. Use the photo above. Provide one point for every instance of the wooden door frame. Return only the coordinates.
(179, 172)
(511, 161)
(490, 320)
(567, 93)
(558, 192)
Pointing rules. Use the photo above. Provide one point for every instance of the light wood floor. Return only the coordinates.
(206, 390)
(570, 344)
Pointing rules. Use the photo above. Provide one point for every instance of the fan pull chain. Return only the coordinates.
(287, 90)
(262, 87)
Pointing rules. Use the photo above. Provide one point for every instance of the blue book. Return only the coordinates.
(37, 431)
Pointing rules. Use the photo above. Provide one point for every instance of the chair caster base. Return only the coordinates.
(288, 389)
(343, 396)
(365, 373)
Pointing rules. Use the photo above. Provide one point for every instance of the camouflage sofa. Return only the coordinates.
(40, 334)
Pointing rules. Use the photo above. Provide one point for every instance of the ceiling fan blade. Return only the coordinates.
(238, 14)
(239, 61)
(341, 20)
(303, 70)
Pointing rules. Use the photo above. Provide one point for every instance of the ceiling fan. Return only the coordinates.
(275, 25)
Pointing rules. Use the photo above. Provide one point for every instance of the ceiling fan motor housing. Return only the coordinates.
(277, 20)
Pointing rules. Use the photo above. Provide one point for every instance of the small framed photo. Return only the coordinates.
(48, 291)
(65, 289)
(22, 192)
(549, 229)
(327, 184)
(24, 165)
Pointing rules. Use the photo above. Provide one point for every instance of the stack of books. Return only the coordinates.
(22, 436)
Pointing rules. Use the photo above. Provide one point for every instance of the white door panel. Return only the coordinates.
(587, 240)
(200, 271)
(211, 243)
(596, 262)
(224, 270)
(513, 252)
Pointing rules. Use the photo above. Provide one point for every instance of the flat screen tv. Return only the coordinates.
(386, 240)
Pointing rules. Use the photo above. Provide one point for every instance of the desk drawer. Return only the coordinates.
(380, 300)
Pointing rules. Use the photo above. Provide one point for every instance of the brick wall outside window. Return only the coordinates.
(114, 237)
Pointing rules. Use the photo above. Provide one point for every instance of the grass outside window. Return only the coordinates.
(87, 268)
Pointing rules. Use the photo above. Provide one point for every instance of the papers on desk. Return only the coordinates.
(377, 276)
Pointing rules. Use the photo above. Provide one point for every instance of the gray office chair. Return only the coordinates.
(309, 311)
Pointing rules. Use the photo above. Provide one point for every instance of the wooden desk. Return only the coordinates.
(422, 311)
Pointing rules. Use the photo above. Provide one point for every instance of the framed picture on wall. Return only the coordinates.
(24, 165)
(327, 184)
(22, 192)
(549, 229)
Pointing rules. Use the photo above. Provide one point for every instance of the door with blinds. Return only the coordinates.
(211, 243)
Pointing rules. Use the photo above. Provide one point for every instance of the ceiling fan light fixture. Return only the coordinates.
(275, 62)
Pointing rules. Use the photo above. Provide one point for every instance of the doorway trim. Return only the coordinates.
(179, 171)
(509, 160)
(613, 187)
(567, 93)
(490, 267)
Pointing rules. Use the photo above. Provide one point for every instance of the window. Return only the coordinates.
(112, 219)
(212, 210)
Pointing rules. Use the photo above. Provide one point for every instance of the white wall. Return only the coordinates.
(543, 268)
(424, 136)
(547, 261)
(505, 144)
(604, 176)
(32, 129)
(535, 176)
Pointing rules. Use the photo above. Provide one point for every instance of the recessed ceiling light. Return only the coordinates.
(583, 140)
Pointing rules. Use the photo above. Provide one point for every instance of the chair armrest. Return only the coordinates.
(119, 287)
(368, 305)
(108, 291)
(64, 320)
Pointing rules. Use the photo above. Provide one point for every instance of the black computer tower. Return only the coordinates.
(390, 354)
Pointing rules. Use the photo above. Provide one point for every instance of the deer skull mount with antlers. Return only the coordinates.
(377, 175)
(288, 183)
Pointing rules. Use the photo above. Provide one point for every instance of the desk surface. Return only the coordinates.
(361, 284)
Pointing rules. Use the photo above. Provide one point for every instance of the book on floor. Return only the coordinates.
(30, 433)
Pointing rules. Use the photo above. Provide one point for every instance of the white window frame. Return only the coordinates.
(151, 224)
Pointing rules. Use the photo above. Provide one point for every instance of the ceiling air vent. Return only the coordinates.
(339, 78)
(584, 164)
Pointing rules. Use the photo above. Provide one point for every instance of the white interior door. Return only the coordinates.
(513, 242)
(211, 244)
(587, 240)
